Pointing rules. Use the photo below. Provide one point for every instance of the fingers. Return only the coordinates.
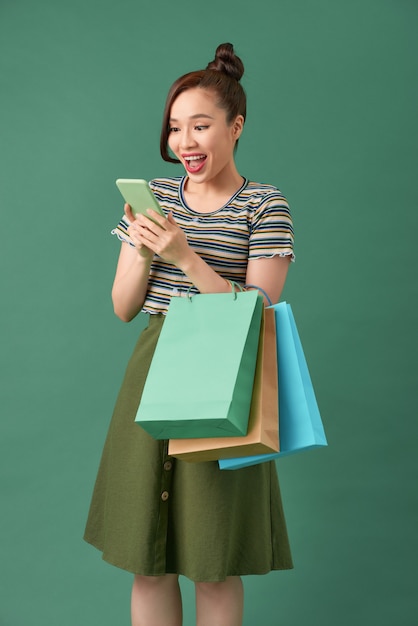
(161, 235)
(139, 229)
(143, 219)
(153, 222)
(135, 233)
(128, 212)
(157, 218)
(144, 235)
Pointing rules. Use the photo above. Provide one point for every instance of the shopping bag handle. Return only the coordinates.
(235, 288)
(265, 294)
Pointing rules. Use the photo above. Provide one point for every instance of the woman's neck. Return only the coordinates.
(207, 196)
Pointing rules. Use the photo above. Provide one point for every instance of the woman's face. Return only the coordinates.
(200, 136)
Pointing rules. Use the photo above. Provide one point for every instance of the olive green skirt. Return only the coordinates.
(152, 514)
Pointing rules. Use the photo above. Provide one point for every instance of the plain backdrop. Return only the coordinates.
(332, 121)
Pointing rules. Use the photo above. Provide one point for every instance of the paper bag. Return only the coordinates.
(263, 423)
(201, 376)
(300, 422)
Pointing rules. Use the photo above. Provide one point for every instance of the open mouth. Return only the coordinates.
(194, 163)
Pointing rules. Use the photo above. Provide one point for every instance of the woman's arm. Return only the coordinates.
(130, 283)
(269, 274)
(131, 279)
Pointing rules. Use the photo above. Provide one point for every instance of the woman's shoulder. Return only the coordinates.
(167, 190)
(166, 184)
(262, 190)
(261, 196)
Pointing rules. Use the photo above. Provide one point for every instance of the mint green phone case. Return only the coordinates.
(137, 193)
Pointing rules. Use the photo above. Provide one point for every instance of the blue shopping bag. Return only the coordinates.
(300, 423)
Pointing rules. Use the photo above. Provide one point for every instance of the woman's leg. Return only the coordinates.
(220, 604)
(156, 601)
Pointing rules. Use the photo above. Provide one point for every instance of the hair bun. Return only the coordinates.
(227, 62)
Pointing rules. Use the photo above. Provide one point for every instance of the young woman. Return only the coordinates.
(153, 515)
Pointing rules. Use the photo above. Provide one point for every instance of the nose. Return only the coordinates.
(187, 139)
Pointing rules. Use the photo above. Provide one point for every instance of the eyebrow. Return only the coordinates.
(195, 117)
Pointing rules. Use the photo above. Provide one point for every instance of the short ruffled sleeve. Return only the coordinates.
(271, 228)
(121, 231)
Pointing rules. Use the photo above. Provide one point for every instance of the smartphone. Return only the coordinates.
(137, 193)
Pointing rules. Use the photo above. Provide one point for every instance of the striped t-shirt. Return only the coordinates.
(254, 223)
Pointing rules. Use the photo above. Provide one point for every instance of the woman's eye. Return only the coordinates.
(201, 127)
(173, 129)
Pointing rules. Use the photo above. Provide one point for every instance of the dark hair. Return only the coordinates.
(222, 75)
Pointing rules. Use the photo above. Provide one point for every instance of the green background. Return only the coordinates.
(332, 88)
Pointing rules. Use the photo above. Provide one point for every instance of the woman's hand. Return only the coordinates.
(162, 236)
(142, 250)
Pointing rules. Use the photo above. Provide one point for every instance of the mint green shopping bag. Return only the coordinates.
(201, 377)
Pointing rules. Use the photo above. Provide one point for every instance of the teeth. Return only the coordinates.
(194, 158)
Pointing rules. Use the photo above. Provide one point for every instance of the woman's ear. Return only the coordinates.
(237, 126)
